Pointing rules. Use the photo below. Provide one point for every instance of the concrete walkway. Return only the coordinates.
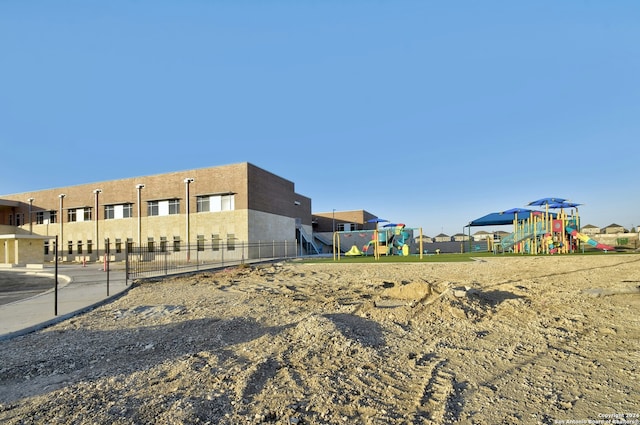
(79, 289)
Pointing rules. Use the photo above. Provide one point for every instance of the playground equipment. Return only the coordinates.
(548, 232)
(571, 229)
(392, 239)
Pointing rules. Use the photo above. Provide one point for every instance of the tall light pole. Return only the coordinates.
(139, 188)
(61, 241)
(30, 219)
(333, 221)
(97, 192)
(187, 181)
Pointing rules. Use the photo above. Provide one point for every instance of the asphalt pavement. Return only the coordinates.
(29, 300)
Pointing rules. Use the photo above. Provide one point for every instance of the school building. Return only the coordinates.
(221, 206)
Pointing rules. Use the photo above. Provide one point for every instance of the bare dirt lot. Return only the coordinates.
(505, 340)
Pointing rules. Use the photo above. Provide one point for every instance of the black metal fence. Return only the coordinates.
(150, 261)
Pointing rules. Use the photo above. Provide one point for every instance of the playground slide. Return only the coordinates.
(511, 239)
(586, 239)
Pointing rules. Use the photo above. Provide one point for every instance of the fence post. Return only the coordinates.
(107, 254)
(126, 265)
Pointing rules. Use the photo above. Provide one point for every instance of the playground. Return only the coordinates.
(389, 239)
(552, 226)
(551, 229)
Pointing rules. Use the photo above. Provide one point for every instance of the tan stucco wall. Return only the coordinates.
(19, 250)
(30, 251)
(268, 227)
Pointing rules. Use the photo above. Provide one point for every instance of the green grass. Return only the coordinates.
(441, 258)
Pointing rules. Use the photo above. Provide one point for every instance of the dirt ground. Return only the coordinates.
(504, 340)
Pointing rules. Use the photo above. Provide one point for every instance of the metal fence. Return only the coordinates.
(152, 261)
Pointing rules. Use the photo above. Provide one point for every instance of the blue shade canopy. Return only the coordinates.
(564, 205)
(377, 220)
(494, 219)
(547, 201)
(504, 218)
(517, 211)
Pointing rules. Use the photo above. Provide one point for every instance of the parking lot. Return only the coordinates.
(15, 286)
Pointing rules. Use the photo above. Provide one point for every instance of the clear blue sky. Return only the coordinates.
(422, 112)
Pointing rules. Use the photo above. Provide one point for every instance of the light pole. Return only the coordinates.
(30, 219)
(187, 181)
(97, 192)
(139, 188)
(61, 241)
(333, 221)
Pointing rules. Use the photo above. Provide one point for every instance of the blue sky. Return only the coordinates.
(422, 112)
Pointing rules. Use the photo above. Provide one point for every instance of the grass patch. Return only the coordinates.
(439, 258)
(436, 258)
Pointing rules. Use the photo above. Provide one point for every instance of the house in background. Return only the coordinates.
(425, 239)
(590, 230)
(614, 228)
(460, 237)
(442, 238)
(482, 236)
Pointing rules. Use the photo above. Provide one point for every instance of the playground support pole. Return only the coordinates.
(336, 245)
(376, 245)
(515, 232)
(534, 239)
(420, 243)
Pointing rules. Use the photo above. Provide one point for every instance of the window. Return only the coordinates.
(200, 242)
(163, 244)
(215, 203)
(70, 247)
(89, 246)
(150, 245)
(40, 217)
(176, 243)
(228, 202)
(130, 244)
(53, 216)
(118, 211)
(118, 246)
(168, 207)
(202, 204)
(78, 214)
(19, 219)
(174, 206)
(79, 247)
(215, 242)
(46, 247)
(231, 242)
(152, 208)
(109, 212)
